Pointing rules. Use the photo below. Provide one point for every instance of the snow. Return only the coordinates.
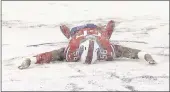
(27, 31)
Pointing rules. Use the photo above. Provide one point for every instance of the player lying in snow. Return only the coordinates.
(88, 44)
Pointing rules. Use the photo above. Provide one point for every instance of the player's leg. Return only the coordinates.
(122, 51)
(47, 57)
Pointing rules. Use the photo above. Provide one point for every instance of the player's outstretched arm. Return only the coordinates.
(66, 31)
(110, 28)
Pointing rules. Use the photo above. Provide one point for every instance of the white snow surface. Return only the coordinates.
(139, 24)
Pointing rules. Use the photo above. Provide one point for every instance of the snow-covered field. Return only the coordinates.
(32, 27)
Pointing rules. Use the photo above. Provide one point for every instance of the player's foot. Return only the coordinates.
(149, 59)
(25, 64)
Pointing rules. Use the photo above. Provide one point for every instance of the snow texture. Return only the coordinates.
(32, 27)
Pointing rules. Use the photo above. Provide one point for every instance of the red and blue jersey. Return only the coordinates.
(98, 43)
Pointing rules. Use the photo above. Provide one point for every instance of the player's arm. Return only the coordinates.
(110, 28)
(66, 31)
